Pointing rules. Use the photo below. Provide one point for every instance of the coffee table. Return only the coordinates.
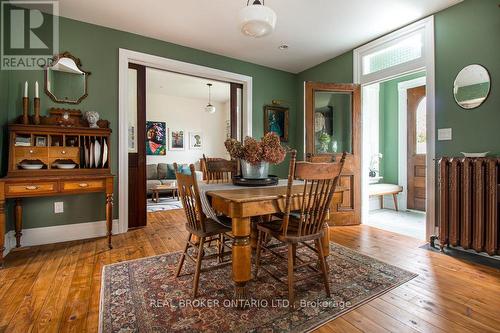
(164, 188)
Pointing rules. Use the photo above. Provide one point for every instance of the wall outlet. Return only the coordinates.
(58, 207)
(444, 134)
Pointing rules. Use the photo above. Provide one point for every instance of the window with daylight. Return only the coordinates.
(402, 51)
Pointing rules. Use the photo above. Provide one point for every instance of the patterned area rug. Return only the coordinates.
(144, 296)
(164, 204)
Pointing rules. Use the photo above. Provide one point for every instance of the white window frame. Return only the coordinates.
(426, 62)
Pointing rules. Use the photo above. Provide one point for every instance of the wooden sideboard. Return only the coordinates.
(49, 144)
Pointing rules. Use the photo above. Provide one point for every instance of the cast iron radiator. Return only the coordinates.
(468, 203)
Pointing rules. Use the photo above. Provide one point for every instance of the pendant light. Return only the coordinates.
(257, 20)
(209, 108)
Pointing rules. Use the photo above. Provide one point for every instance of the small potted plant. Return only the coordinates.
(255, 156)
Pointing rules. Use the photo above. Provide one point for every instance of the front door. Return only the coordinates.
(416, 147)
(333, 125)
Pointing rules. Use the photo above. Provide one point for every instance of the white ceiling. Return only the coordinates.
(179, 85)
(315, 30)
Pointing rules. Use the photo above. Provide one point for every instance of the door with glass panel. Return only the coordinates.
(417, 144)
(333, 125)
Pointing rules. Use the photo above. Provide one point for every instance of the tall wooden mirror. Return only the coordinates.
(333, 125)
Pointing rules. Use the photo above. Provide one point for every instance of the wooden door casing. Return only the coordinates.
(416, 167)
(348, 212)
(137, 192)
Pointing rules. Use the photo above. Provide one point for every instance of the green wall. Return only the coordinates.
(97, 47)
(389, 123)
(465, 34)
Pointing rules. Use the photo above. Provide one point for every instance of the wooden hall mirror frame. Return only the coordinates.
(349, 211)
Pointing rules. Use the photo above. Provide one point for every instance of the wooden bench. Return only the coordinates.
(385, 189)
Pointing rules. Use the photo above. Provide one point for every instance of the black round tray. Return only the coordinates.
(269, 181)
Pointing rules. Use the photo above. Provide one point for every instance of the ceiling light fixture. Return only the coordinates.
(209, 108)
(257, 20)
(283, 46)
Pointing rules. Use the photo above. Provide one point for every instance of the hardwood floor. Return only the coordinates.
(56, 287)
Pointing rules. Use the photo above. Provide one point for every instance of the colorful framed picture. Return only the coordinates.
(195, 140)
(276, 120)
(156, 138)
(176, 140)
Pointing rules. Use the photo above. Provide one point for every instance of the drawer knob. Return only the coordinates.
(83, 185)
(31, 187)
(63, 152)
(31, 151)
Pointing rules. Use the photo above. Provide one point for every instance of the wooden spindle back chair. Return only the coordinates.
(220, 170)
(320, 183)
(205, 229)
(307, 223)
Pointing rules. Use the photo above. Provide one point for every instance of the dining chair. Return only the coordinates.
(320, 158)
(219, 170)
(199, 225)
(305, 225)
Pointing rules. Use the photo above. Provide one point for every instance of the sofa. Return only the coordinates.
(163, 173)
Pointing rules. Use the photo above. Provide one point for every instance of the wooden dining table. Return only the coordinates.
(243, 204)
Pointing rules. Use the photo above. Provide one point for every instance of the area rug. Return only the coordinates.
(164, 204)
(144, 296)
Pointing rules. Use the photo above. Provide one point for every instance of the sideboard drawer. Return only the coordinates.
(64, 152)
(30, 152)
(30, 188)
(83, 185)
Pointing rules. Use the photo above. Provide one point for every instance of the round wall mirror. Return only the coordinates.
(472, 86)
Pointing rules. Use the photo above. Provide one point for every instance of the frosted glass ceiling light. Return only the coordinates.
(257, 20)
(209, 108)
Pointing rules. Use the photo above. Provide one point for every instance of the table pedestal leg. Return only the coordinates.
(242, 256)
(18, 212)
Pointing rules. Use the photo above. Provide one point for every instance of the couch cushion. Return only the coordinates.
(151, 172)
(152, 183)
(163, 171)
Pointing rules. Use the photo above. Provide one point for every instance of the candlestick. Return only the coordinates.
(26, 108)
(36, 107)
(36, 89)
(25, 89)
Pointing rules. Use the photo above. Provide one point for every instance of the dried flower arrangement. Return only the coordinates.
(269, 149)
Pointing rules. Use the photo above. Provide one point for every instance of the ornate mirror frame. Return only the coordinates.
(78, 63)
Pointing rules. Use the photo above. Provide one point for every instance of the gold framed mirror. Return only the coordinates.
(65, 80)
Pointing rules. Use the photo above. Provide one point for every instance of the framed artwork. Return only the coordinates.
(276, 120)
(40, 141)
(195, 140)
(176, 140)
(156, 138)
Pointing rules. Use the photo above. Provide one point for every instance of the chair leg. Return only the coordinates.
(198, 267)
(221, 248)
(290, 275)
(183, 256)
(322, 261)
(395, 197)
(258, 253)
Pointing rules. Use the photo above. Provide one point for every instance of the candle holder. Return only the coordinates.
(36, 107)
(26, 110)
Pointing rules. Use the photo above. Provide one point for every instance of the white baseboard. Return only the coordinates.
(59, 233)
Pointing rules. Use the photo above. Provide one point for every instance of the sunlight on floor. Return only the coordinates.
(409, 223)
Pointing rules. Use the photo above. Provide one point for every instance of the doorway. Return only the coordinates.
(126, 145)
(407, 51)
(397, 145)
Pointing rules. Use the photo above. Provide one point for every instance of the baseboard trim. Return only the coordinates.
(59, 233)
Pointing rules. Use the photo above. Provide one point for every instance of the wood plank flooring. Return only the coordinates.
(56, 287)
